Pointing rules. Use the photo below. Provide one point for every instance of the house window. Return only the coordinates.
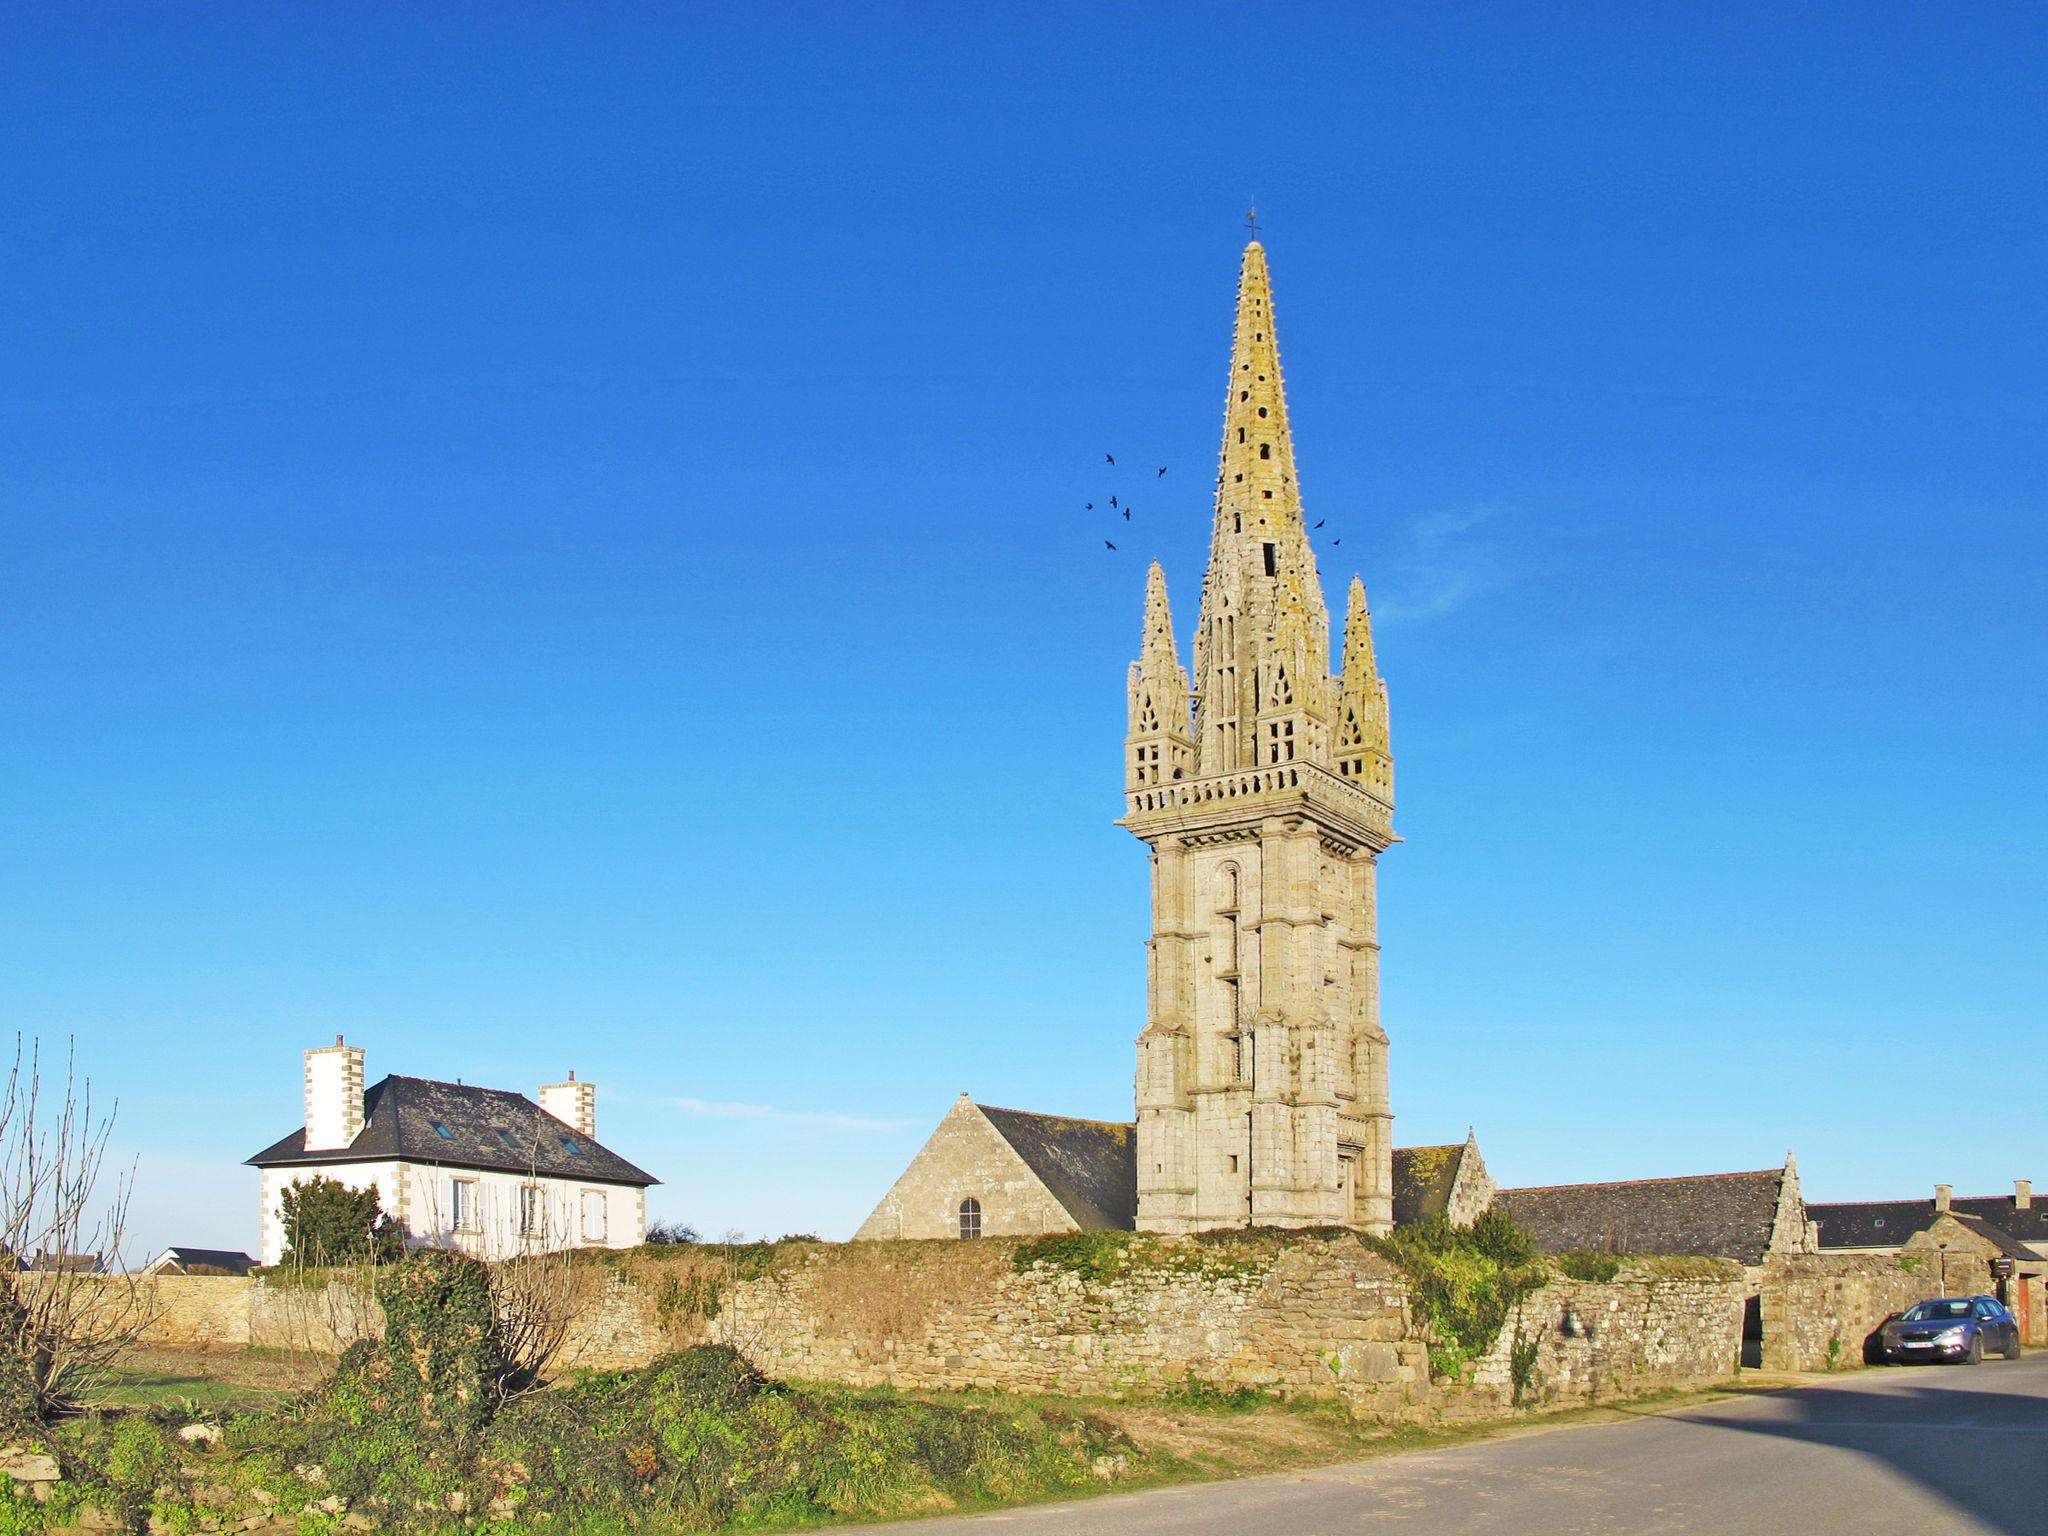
(593, 1215)
(462, 1205)
(970, 1217)
(533, 1211)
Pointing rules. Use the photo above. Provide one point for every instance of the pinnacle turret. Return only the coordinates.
(1364, 751)
(1159, 747)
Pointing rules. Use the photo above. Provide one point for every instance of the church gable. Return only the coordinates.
(1088, 1166)
(967, 1180)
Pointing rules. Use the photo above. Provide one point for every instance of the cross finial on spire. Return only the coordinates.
(1251, 219)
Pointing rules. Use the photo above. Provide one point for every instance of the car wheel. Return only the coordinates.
(1976, 1351)
(2012, 1346)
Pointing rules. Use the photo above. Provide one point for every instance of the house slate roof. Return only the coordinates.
(1998, 1237)
(453, 1125)
(1889, 1223)
(233, 1261)
(1715, 1215)
(1423, 1180)
(1089, 1166)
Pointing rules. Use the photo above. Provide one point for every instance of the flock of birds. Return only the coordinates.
(1114, 504)
(1124, 507)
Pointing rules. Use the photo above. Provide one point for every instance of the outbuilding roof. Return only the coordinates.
(418, 1120)
(1889, 1223)
(1717, 1215)
(1089, 1166)
(1423, 1180)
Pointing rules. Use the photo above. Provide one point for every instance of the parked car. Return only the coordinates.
(1962, 1328)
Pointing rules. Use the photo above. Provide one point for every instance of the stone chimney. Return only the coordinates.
(2023, 1194)
(334, 1096)
(572, 1103)
(1942, 1192)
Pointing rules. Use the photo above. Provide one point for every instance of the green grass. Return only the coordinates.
(152, 1389)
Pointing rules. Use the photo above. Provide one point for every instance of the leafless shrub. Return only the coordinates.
(65, 1310)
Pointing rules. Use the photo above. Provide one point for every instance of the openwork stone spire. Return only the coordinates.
(1262, 643)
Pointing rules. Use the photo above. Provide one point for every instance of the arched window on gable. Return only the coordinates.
(970, 1217)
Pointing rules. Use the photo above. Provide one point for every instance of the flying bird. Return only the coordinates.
(1320, 521)
(1162, 470)
(1091, 506)
(1107, 545)
(1335, 542)
(1111, 457)
(1112, 501)
(1127, 514)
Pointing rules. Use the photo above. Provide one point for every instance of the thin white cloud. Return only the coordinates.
(723, 1111)
(1449, 559)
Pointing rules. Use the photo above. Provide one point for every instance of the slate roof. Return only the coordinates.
(1870, 1223)
(1889, 1223)
(1090, 1166)
(1423, 1179)
(1716, 1215)
(230, 1261)
(1998, 1237)
(417, 1120)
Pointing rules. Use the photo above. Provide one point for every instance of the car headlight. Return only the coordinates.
(1951, 1335)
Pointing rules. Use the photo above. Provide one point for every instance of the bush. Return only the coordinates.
(1596, 1267)
(440, 1369)
(328, 1223)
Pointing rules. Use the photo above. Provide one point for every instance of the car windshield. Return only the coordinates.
(1938, 1311)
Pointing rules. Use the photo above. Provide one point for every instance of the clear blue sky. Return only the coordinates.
(552, 537)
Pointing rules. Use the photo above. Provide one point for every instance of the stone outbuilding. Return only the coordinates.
(1449, 1181)
(1740, 1216)
(2010, 1228)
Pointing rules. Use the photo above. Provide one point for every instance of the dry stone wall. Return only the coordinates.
(1657, 1324)
(1090, 1316)
(1299, 1317)
(1820, 1311)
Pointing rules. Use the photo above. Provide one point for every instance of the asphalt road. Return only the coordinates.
(1917, 1450)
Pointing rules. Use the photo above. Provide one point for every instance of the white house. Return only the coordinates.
(480, 1170)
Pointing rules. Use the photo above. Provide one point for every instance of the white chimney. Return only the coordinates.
(334, 1096)
(572, 1103)
(2023, 1194)
(1942, 1192)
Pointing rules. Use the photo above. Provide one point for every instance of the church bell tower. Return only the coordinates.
(1265, 793)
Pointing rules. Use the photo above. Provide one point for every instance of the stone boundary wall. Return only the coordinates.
(1302, 1317)
(1307, 1316)
(1811, 1302)
(1658, 1324)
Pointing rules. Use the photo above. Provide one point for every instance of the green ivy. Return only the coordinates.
(1463, 1281)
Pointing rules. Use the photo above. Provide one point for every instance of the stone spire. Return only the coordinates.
(1160, 749)
(1262, 1067)
(1364, 754)
(1262, 642)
